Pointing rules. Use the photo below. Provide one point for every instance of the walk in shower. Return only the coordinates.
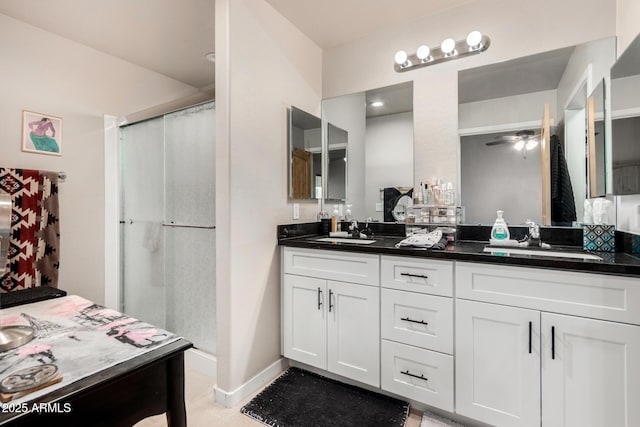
(167, 223)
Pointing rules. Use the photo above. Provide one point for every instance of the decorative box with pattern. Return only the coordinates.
(599, 237)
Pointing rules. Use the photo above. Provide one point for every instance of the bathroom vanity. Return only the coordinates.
(517, 340)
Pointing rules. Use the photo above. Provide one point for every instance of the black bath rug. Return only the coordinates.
(299, 398)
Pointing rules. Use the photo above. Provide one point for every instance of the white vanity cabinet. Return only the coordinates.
(328, 323)
(591, 372)
(497, 370)
(417, 329)
(545, 347)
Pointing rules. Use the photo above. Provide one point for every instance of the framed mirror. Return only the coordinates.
(596, 133)
(305, 155)
(337, 162)
(378, 124)
(502, 123)
(625, 121)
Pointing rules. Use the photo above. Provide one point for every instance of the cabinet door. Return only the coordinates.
(590, 372)
(304, 320)
(497, 369)
(353, 344)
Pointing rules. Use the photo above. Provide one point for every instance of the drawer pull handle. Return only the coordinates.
(330, 300)
(422, 276)
(553, 342)
(319, 298)
(530, 327)
(421, 376)
(422, 322)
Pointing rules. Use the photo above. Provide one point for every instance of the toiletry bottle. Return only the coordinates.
(426, 196)
(500, 231)
(347, 214)
(334, 219)
(418, 195)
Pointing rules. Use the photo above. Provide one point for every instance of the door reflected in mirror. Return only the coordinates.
(305, 155)
(596, 141)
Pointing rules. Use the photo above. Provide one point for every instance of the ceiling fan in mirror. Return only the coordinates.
(523, 140)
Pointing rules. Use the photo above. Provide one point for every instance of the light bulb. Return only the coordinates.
(531, 144)
(401, 58)
(423, 53)
(519, 145)
(474, 38)
(377, 104)
(448, 47)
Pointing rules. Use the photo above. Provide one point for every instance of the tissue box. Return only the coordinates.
(598, 237)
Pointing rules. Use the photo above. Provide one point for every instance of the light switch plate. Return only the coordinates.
(378, 207)
(296, 211)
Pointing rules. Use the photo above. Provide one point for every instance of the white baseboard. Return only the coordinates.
(204, 363)
(232, 398)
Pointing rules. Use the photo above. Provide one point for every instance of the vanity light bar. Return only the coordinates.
(450, 49)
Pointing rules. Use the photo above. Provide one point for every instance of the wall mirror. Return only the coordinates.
(337, 161)
(504, 112)
(625, 121)
(305, 155)
(596, 145)
(378, 125)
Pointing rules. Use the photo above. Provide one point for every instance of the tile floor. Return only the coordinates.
(202, 411)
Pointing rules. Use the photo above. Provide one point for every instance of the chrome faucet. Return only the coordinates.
(354, 229)
(533, 238)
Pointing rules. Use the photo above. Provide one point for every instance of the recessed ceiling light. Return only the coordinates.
(377, 104)
(211, 57)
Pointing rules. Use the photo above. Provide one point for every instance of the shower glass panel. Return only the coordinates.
(167, 223)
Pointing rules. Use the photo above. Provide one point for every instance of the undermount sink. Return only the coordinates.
(346, 240)
(541, 252)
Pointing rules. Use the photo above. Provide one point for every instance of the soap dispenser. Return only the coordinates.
(500, 231)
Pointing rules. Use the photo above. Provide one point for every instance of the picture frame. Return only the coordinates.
(41, 133)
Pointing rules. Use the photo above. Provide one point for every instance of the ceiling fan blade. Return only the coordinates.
(499, 142)
(508, 138)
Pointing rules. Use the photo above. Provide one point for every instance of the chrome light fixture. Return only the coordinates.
(449, 49)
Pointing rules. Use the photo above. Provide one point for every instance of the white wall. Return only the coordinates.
(625, 94)
(627, 23)
(506, 111)
(389, 157)
(49, 74)
(590, 63)
(499, 177)
(263, 65)
(553, 25)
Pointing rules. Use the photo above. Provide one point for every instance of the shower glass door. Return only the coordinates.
(167, 223)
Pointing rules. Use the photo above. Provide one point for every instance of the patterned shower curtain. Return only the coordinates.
(34, 245)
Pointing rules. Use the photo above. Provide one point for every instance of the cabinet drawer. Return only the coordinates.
(420, 320)
(598, 296)
(403, 366)
(333, 265)
(417, 275)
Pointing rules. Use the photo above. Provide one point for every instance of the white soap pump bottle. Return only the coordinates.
(500, 231)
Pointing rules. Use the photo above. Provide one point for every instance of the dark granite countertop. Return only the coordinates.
(617, 263)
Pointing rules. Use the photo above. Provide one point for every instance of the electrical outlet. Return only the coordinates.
(379, 207)
(296, 211)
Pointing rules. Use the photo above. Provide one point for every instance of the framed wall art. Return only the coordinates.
(41, 133)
